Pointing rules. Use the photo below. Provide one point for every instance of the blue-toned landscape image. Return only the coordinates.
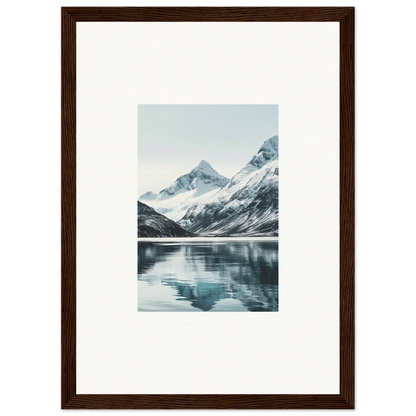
(208, 276)
(208, 237)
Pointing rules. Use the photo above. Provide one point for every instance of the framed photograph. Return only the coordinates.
(208, 242)
(208, 166)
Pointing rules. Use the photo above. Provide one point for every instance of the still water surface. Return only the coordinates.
(214, 276)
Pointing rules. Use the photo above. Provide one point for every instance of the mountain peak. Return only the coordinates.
(269, 150)
(203, 165)
(270, 146)
(148, 195)
(204, 169)
(201, 178)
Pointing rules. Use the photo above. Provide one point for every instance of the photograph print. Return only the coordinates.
(208, 208)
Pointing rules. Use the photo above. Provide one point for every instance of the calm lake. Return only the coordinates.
(209, 276)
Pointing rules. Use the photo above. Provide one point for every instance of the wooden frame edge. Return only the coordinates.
(69, 398)
(68, 209)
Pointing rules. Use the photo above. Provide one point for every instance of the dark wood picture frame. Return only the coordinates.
(71, 400)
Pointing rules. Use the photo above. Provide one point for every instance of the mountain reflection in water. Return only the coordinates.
(208, 276)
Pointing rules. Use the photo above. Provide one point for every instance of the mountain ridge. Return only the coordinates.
(201, 174)
(245, 205)
(174, 200)
(239, 208)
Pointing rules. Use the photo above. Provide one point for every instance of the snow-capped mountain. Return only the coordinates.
(247, 205)
(203, 178)
(174, 201)
(148, 196)
(152, 224)
(268, 151)
(206, 203)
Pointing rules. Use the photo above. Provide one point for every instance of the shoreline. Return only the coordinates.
(207, 239)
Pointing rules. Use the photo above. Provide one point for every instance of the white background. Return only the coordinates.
(294, 351)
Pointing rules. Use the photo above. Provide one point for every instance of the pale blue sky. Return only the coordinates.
(173, 139)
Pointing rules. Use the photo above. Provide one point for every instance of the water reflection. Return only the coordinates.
(208, 276)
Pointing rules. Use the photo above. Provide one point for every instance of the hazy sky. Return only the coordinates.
(173, 139)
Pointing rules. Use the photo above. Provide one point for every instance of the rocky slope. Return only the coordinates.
(152, 224)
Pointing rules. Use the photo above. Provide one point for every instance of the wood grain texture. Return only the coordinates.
(68, 208)
(206, 401)
(347, 207)
(208, 14)
(71, 15)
